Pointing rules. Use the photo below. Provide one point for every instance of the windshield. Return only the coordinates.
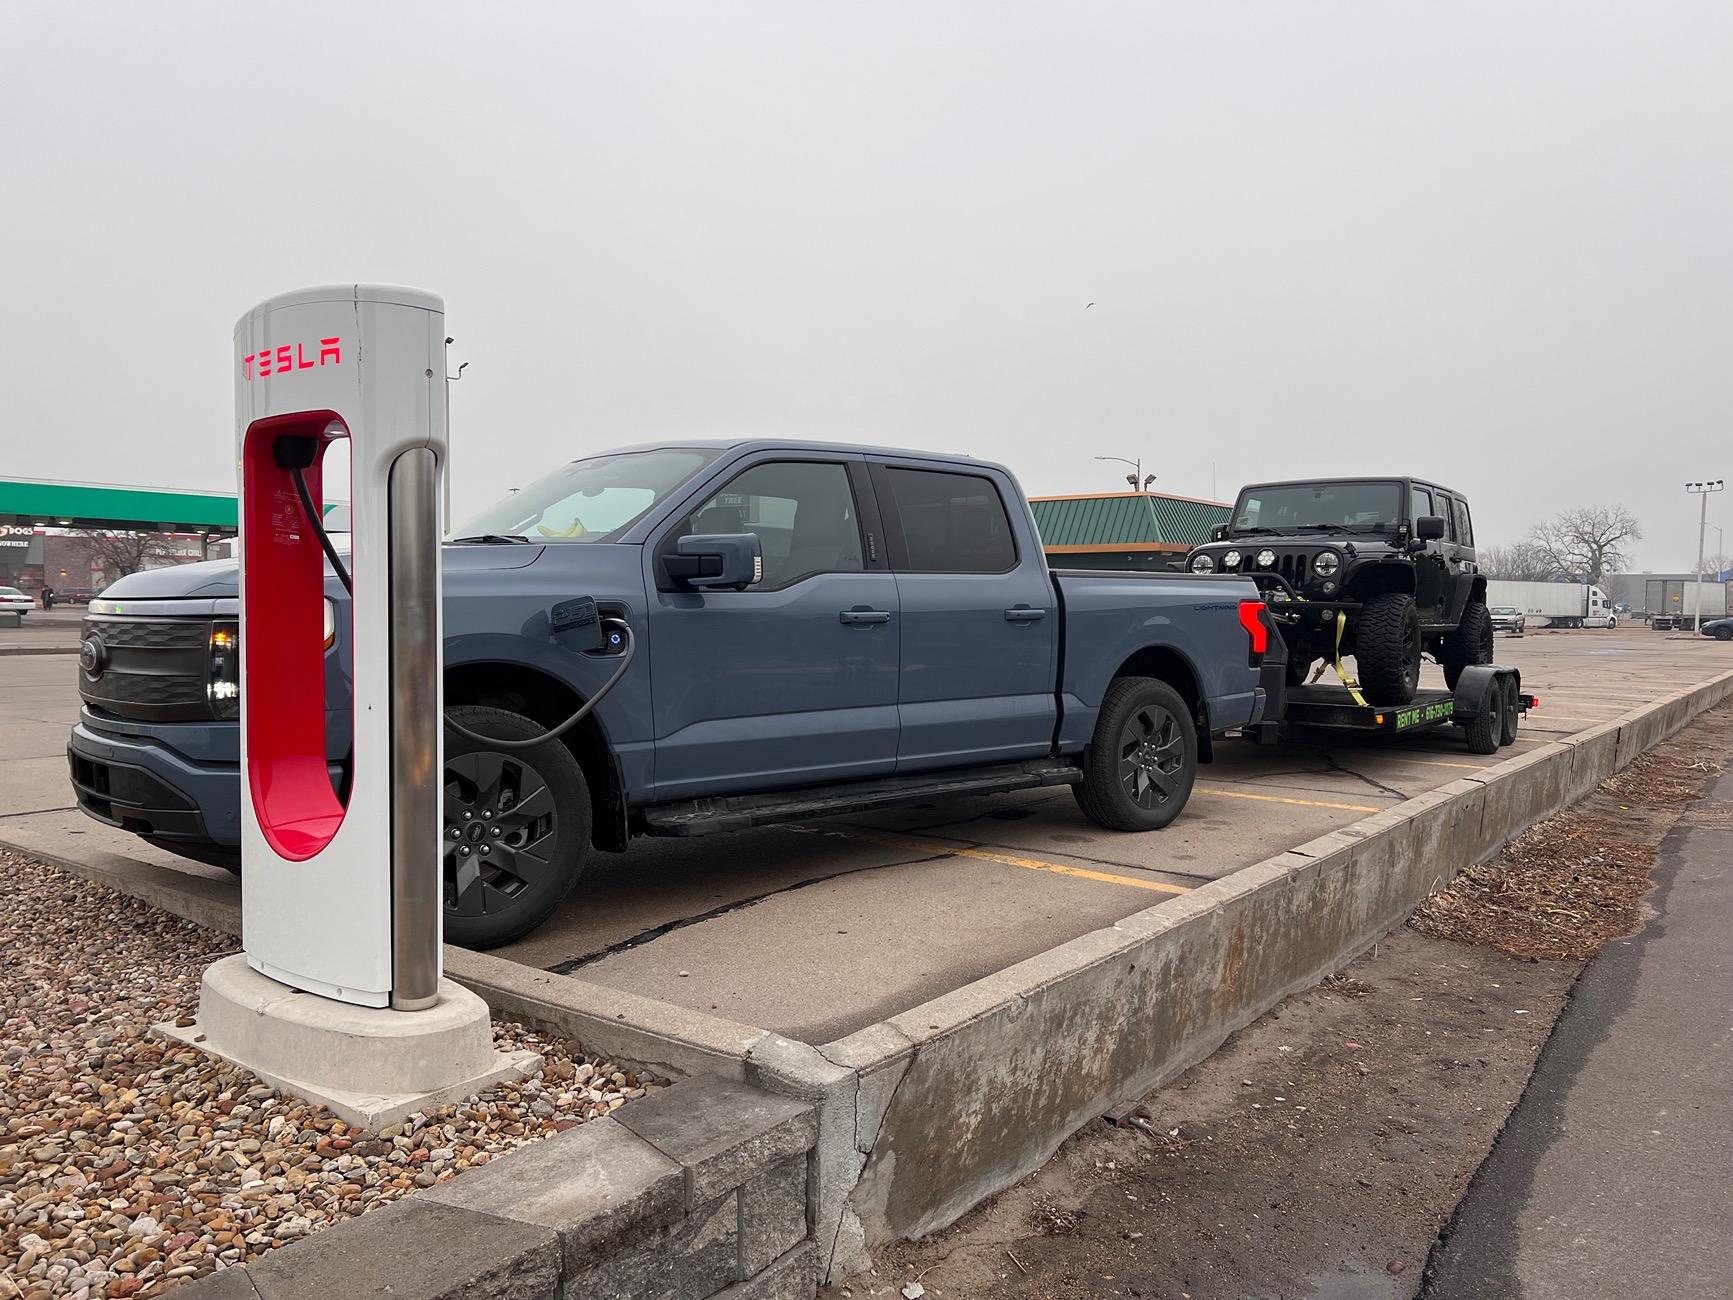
(590, 500)
(1284, 507)
(1503, 609)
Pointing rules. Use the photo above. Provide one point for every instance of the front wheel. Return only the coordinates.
(516, 829)
(1724, 634)
(1142, 760)
(1387, 648)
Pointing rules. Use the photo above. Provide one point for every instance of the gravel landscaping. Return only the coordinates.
(129, 1163)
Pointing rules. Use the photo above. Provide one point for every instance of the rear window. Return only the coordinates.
(951, 523)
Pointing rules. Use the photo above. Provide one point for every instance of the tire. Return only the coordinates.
(523, 815)
(1482, 734)
(1507, 719)
(1469, 643)
(1387, 648)
(1724, 634)
(1142, 761)
(1299, 670)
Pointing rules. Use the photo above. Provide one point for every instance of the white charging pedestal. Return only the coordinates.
(339, 996)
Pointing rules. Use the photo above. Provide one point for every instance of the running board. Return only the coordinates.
(737, 812)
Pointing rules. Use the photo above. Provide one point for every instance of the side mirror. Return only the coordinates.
(1429, 528)
(720, 561)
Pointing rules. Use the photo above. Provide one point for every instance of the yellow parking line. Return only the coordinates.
(1277, 798)
(1011, 860)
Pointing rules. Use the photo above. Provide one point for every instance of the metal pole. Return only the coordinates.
(1702, 533)
(415, 725)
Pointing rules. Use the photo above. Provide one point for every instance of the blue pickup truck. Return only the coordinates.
(815, 629)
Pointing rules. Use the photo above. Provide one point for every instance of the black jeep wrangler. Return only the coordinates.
(1385, 565)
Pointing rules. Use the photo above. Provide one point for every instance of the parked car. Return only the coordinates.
(820, 628)
(75, 596)
(1507, 618)
(1380, 568)
(1719, 628)
(13, 601)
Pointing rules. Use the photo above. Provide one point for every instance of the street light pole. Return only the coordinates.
(1703, 490)
(1135, 478)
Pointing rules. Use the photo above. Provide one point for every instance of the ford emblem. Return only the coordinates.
(92, 656)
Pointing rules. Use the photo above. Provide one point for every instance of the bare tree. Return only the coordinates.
(1587, 542)
(120, 553)
(1716, 563)
(1518, 562)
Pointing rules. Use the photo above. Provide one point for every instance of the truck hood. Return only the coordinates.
(221, 579)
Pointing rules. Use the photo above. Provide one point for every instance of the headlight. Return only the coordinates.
(1266, 558)
(1203, 562)
(1231, 560)
(223, 681)
(1327, 563)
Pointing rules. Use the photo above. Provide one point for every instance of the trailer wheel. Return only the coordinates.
(517, 827)
(1483, 732)
(1508, 713)
(1469, 643)
(1387, 648)
(1142, 760)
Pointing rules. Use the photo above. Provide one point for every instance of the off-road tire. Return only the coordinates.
(538, 802)
(1482, 734)
(1387, 648)
(1470, 642)
(1142, 721)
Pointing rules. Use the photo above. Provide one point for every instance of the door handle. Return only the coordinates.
(1023, 614)
(857, 617)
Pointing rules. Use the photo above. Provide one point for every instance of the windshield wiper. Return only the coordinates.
(1235, 532)
(493, 538)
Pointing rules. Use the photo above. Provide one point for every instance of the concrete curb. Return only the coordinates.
(963, 1096)
(6, 650)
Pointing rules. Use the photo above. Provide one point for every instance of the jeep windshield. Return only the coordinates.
(1308, 507)
(590, 500)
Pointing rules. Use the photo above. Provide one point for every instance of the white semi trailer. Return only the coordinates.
(1554, 604)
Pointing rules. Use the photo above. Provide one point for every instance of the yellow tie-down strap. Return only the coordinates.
(1352, 685)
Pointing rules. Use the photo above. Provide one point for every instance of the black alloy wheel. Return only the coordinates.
(516, 828)
(1141, 763)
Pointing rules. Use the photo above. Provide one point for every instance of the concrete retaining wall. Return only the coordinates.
(698, 1190)
(961, 1097)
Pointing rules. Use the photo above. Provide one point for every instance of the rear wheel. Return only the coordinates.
(1483, 732)
(1507, 719)
(1387, 648)
(517, 827)
(1469, 643)
(1142, 761)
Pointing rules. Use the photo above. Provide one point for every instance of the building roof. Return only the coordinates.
(109, 505)
(1120, 520)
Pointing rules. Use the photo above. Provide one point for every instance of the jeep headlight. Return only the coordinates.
(1327, 563)
(1266, 558)
(1231, 560)
(1203, 562)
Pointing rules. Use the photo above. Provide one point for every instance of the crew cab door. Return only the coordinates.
(1431, 574)
(792, 681)
(979, 616)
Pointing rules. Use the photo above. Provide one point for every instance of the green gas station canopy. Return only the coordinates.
(105, 505)
(1125, 520)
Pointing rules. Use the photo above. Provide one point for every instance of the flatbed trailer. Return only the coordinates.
(1488, 705)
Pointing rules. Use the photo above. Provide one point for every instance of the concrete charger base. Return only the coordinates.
(369, 1066)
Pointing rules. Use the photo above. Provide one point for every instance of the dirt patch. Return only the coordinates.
(1576, 881)
(1319, 1152)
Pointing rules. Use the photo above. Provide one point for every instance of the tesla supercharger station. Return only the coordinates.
(341, 889)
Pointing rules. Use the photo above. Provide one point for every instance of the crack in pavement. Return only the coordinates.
(680, 923)
(1336, 765)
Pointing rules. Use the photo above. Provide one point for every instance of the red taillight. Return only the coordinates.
(1252, 619)
(1534, 701)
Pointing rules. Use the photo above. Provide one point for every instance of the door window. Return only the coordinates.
(1446, 508)
(1423, 502)
(951, 523)
(1464, 525)
(802, 512)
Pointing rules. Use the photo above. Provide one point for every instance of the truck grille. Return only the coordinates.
(1296, 569)
(152, 669)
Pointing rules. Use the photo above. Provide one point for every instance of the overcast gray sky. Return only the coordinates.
(1492, 243)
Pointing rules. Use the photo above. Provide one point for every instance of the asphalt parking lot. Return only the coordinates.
(816, 930)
